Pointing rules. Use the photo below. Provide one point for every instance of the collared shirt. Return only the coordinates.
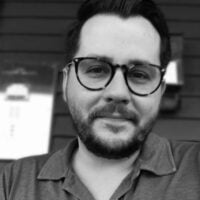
(165, 170)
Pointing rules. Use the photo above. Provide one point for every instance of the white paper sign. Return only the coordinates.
(26, 100)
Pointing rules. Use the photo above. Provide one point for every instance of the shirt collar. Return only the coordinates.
(59, 162)
(156, 157)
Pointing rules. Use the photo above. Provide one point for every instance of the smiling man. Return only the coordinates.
(117, 53)
(111, 81)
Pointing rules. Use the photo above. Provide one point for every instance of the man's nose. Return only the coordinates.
(117, 90)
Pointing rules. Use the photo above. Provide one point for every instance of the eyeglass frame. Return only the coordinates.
(114, 67)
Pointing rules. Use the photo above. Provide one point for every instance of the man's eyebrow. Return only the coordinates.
(101, 57)
(110, 60)
(138, 61)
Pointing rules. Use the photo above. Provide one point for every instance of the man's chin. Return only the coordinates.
(111, 147)
(111, 140)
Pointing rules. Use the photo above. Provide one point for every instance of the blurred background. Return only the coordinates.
(32, 32)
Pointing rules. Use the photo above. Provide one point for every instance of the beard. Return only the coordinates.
(110, 149)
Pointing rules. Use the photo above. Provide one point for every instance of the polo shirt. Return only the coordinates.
(165, 170)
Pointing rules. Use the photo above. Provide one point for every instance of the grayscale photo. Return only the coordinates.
(99, 100)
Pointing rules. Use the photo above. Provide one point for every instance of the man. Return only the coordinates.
(117, 53)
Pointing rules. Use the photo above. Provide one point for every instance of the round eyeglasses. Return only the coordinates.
(95, 74)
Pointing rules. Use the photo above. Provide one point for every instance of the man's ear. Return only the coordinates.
(64, 83)
(163, 87)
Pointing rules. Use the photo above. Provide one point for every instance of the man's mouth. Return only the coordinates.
(115, 114)
(115, 124)
(116, 118)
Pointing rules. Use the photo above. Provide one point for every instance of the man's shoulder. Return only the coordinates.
(20, 173)
(185, 145)
(32, 166)
(26, 165)
(51, 163)
(186, 151)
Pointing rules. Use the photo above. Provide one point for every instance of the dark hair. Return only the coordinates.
(123, 8)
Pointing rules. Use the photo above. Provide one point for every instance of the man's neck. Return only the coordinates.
(101, 174)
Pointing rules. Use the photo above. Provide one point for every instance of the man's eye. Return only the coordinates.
(140, 75)
(97, 70)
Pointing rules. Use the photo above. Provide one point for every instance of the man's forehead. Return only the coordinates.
(111, 34)
(107, 22)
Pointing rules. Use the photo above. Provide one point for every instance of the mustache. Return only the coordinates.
(109, 109)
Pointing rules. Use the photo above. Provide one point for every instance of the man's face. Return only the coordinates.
(113, 122)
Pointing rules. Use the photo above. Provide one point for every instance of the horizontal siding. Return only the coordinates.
(36, 57)
(191, 66)
(68, 10)
(60, 106)
(191, 86)
(181, 129)
(39, 10)
(188, 29)
(16, 26)
(63, 126)
(60, 142)
(33, 30)
(190, 109)
(29, 43)
(185, 12)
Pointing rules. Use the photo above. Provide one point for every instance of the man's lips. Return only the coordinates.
(115, 118)
(115, 124)
(114, 112)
